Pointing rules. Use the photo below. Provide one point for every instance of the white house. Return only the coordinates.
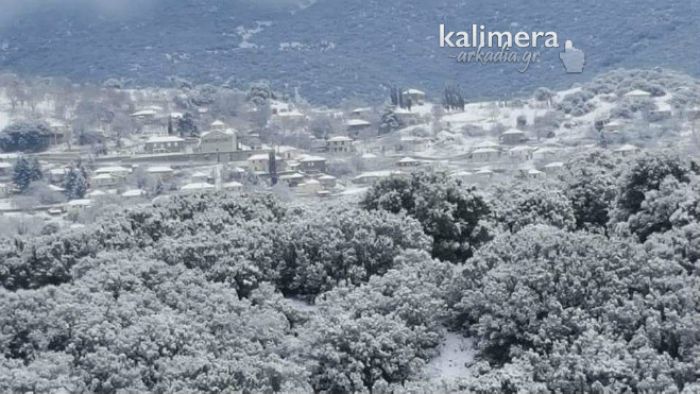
(5, 168)
(134, 193)
(544, 153)
(356, 125)
(97, 195)
(164, 144)
(104, 181)
(484, 173)
(261, 162)
(513, 137)
(292, 180)
(408, 162)
(232, 186)
(287, 152)
(416, 96)
(312, 164)
(485, 154)
(339, 144)
(218, 140)
(115, 171)
(521, 152)
(310, 186)
(462, 175)
(373, 176)
(200, 177)
(57, 175)
(358, 113)
(197, 187)
(161, 172)
(327, 181)
(626, 150)
(554, 167)
(535, 174)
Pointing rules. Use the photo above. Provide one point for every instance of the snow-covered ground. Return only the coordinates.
(456, 353)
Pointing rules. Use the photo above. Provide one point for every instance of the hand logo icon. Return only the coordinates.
(573, 58)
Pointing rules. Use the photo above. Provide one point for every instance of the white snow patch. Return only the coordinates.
(456, 352)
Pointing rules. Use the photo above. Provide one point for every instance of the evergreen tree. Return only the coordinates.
(452, 98)
(186, 126)
(273, 168)
(390, 121)
(25, 172)
(75, 184)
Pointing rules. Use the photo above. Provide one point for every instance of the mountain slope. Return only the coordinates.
(342, 48)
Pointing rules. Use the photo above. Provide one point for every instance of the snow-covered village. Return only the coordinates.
(356, 196)
(112, 146)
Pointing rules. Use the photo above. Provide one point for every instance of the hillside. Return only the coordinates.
(336, 49)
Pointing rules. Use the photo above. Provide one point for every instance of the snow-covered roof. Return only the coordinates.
(133, 193)
(296, 175)
(274, 104)
(217, 123)
(369, 156)
(414, 91)
(145, 112)
(484, 171)
(285, 149)
(311, 182)
(408, 160)
(111, 170)
(637, 93)
(461, 174)
(232, 185)
(615, 123)
(198, 186)
(485, 150)
(357, 122)
(54, 171)
(56, 188)
(262, 156)
(340, 138)
(96, 193)
(378, 174)
(225, 131)
(533, 171)
(309, 158)
(101, 176)
(411, 138)
(513, 132)
(521, 148)
(164, 138)
(327, 178)
(80, 203)
(486, 144)
(5, 165)
(556, 164)
(290, 114)
(627, 148)
(159, 170)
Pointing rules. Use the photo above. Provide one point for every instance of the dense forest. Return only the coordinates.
(589, 282)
